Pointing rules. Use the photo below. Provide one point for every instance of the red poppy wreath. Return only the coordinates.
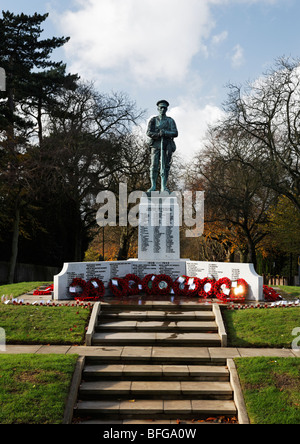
(118, 287)
(47, 291)
(147, 283)
(77, 287)
(162, 284)
(94, 290)
(239, 290)
(193, 286)
(134, 284)
(180, 286)
(206, 289)
(223, 288)
(270, 294)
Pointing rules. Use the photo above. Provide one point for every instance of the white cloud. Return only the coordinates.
(147, 39)
(237, 58)
(219, 38)
(141, 40)
(151, 45)
(192, 122)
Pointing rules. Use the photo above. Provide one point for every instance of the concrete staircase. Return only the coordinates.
(162, 325)
(153, 367)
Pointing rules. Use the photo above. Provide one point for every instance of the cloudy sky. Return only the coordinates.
(185, 51)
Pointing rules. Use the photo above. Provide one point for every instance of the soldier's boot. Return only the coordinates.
(153, 177)
(164, 181)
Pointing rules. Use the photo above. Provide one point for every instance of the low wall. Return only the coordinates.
(28, 273)
(274, 281)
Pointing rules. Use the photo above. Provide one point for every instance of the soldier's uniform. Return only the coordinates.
(158, 142)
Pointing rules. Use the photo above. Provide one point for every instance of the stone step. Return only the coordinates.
(155, 409)
(154, 422)
(132, 315)
(156, 326)
(156, 372)
(156, 306)
(152, 362)
(120, 354)
(155, 390)
(161, 339)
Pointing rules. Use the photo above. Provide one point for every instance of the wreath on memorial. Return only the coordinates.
(240, 291)
(222, 288)
(162, 284)
(47, 291)
(77, 288)
(244, 287)
(180, 286)
(134, 284)
(93, 291)
(193, 287)
(270, 294)
(147, 283)
(207, 288)
(118, 287)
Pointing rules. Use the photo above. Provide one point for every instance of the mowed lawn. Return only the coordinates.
(35, 324)
(15, 290)
(262, 328)
(271, 388)
(34, 388)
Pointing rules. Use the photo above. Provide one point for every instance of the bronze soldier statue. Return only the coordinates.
(162, 130)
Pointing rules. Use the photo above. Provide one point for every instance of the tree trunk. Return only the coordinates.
(291, 276)
(40, 124)
(252, 253)
(14, 245)
(77, 237)
(125, 239)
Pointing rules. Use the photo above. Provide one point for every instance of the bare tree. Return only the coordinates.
(267, 111)
(85, 150)
(236, 200)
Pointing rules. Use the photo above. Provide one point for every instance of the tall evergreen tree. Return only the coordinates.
(30, 73)
(22, 54)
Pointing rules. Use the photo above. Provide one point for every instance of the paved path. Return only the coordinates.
(210, 352)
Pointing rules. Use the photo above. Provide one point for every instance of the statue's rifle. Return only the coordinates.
(162, 158)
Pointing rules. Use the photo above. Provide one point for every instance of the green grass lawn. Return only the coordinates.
(34, 388)
(271, 388)
(16, 290)
(35, 324)
(289, 292)
(261, 328)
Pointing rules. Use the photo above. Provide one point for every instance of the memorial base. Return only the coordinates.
(159, 238)
(109, 270)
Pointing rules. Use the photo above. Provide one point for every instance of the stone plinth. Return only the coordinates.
(159, 229)
(109, 270)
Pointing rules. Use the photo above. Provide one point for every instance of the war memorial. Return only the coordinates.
(159, 266)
